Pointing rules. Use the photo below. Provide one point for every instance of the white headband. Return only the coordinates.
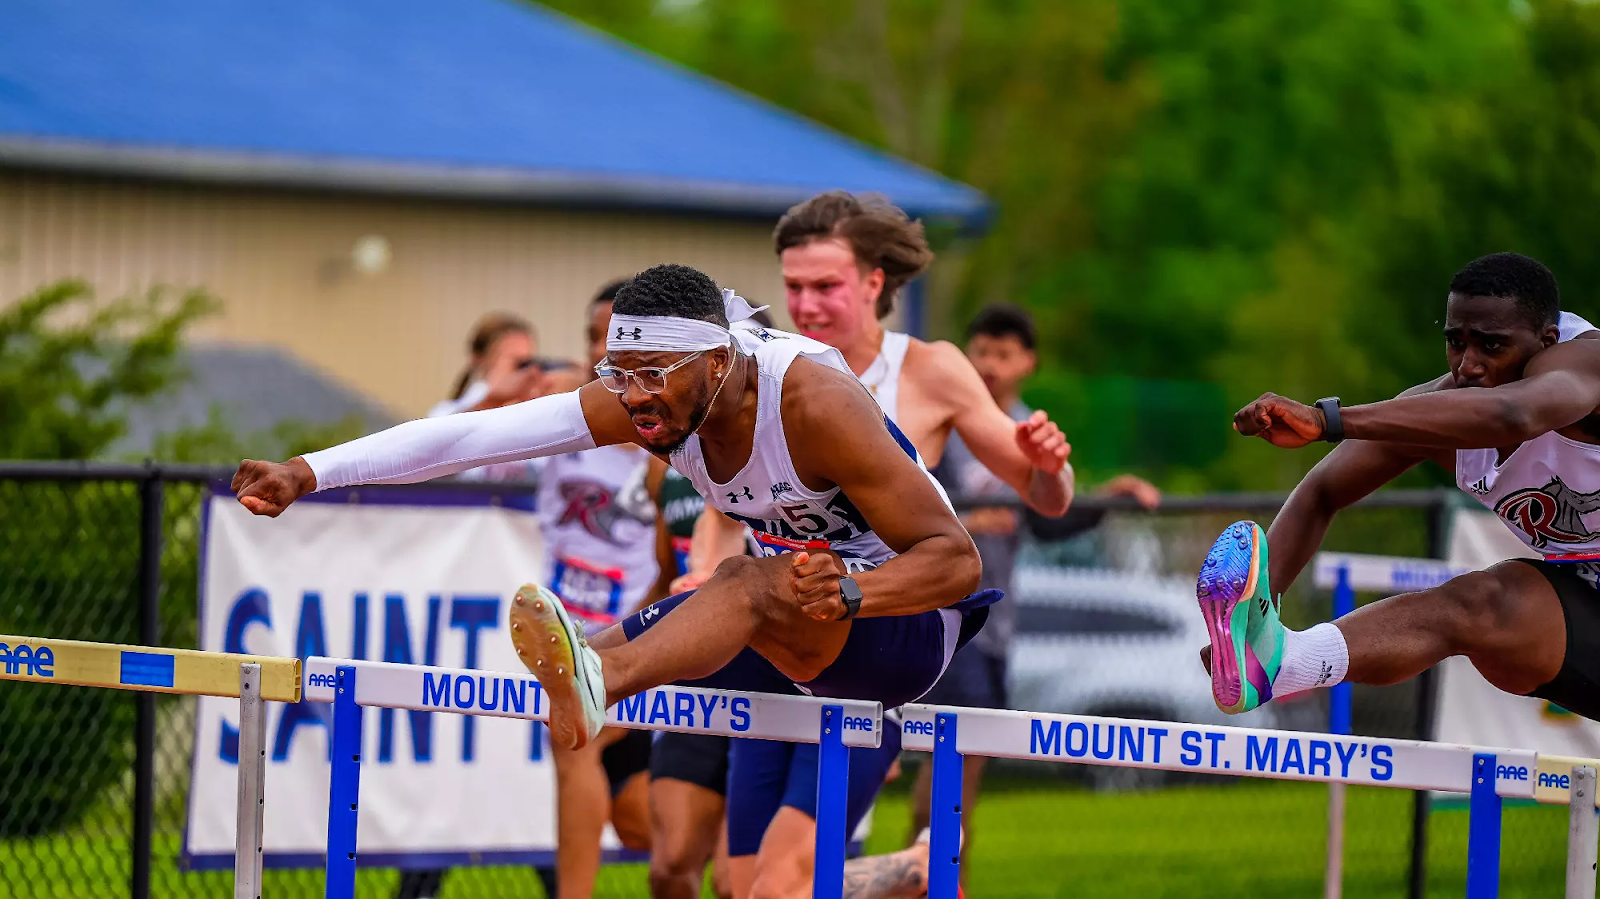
(670, 334)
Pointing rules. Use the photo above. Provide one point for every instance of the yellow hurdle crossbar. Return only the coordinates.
(147, 668)
(1553, 778)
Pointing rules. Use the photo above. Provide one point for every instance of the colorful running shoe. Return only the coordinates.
(568, 669)
(1241, 615)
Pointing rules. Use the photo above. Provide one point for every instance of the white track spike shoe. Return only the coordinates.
(556, 652)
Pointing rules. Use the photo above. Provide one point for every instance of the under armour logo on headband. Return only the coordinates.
(635, 334)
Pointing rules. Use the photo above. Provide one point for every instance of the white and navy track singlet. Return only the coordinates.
(767, 494)
(882, 377)
(1547, 491)
(599, 529)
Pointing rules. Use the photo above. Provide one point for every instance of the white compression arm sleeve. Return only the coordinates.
(435, 447)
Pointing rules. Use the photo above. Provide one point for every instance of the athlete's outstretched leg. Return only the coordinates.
(1508, 620)
(747, 603)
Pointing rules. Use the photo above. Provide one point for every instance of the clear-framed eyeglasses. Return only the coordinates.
(651, 378)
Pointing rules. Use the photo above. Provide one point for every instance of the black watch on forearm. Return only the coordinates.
(850, 593)
(1333, 425)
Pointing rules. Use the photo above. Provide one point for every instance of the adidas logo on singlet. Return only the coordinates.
(1481, 488)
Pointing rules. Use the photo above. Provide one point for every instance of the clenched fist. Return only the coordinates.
(815, 577)
(1042, 442)
(267, 488)
(1280, 421)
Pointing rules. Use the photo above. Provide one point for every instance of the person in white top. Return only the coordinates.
(845, 259)
(1517, 420)
(865, 587)
(599, 528)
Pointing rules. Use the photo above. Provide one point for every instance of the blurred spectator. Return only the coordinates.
(502, 369)
(1000, 344)
(502, 366)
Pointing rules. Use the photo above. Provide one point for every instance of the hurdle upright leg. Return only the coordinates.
(1339, 722)
(833, 787)
(252, 784)
(344, 788)
(944, 838)
(1483, 831)
(1583, 834)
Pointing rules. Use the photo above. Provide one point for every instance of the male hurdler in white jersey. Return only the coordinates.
(765, 423)
(1517, 420)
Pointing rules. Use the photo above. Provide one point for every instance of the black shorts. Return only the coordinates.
(700, 759)
(975, 679)
(625, 758)
(1576, 687)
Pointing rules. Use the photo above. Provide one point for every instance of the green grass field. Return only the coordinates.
(1033, 839)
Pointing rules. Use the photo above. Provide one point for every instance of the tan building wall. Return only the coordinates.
(281, 264)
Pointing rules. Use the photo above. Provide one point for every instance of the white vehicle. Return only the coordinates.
(1093, 641)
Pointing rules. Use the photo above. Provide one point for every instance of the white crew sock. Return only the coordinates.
(1315, 657)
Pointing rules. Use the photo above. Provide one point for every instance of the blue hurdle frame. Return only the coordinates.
(344, 795)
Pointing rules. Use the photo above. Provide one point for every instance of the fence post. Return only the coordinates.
(1427, 709)
(344, 788)
(1339, 723)
(1483, 831)
(144, 722)
(944, 837)
(833, 786)
(1584, 828)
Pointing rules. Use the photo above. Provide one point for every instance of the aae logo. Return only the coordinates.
(851, 723)
(322, 680)
(1511, 772)
(1555, 781)
(28, 660)
(924, 728)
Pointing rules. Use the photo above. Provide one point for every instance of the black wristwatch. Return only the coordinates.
(1333, 427)
(850, 592)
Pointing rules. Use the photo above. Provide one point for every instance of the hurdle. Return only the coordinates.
(148, 669)
(1344, 574)
(351, 685)
(1485, 775)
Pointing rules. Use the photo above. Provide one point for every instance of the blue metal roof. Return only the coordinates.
(489, 98)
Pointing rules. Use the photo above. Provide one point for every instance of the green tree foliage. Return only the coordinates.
(1201, 200)
(67, 363)
(71, 370)
(68, 569)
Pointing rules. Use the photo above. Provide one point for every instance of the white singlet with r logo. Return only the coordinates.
(767, 494)
(599, 528)
(1547, 491)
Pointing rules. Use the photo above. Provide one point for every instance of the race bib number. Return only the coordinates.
(590, 590)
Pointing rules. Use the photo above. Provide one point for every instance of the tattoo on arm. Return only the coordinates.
(886, 876)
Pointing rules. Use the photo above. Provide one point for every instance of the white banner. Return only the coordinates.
(421, 583)
(1473, 711)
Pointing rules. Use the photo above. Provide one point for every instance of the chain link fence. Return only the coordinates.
(1107, 625)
